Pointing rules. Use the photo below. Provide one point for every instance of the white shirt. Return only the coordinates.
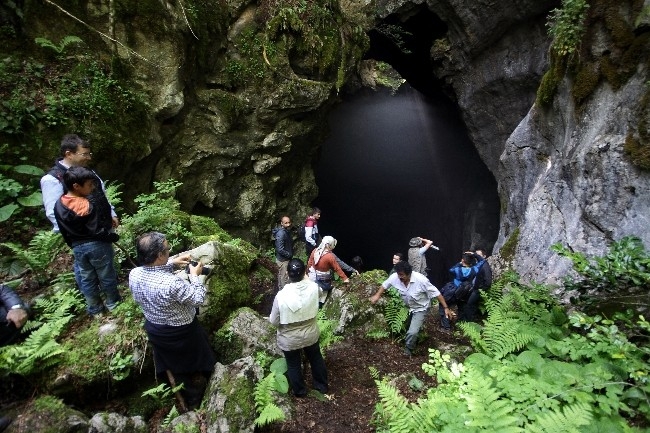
(417, 295)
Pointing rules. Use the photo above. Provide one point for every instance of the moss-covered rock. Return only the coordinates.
(230, 396)
(48, 414)
(244, 334)
(102, 351)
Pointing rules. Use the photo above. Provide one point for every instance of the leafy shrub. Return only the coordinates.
(626, 266)
(158, 211)
(18, 188)
(566, 25)
(548, 374)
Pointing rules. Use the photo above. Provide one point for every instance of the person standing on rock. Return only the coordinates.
(294, 312)
(283, 249)
(312, 237)
(417, 260)
(170, 305)
(416, 291)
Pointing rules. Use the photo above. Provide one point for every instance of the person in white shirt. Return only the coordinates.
(416, 291)
(294, 312)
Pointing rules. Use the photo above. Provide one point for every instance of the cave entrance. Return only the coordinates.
(398, 166)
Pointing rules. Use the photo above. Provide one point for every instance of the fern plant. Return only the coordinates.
(275, 381)
(63, 44)
(395, 312)
(517, 315)
(40, 350)
(42, 250)
(327, 328)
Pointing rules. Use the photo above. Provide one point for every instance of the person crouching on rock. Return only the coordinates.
(294, 312)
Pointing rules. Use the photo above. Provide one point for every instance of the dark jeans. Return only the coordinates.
(295, 373)
(448, 292)
(468, 311)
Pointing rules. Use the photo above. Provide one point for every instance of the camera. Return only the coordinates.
(204, 271)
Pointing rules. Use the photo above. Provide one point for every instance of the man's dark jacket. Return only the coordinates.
(283, 244)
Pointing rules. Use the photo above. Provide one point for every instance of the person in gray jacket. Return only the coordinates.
(294, 312)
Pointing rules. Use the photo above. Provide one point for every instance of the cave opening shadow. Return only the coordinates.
(398, 166)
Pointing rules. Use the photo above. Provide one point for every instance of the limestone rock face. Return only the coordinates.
(565, 178)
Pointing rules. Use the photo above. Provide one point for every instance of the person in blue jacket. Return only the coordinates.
(459, 289)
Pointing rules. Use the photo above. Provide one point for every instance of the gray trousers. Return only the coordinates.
(283, 276)
(416, 320)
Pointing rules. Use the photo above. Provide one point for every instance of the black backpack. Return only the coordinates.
(463, 291)
(301, 232)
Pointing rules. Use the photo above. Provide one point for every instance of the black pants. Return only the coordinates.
(295, 373)
(468, 310)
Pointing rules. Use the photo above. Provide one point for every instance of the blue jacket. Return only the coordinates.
(461, 273)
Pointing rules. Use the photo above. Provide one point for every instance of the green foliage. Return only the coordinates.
(40, 350)
(43, 99)
(275, 381)
(514, 314)
(625, 266)
(120, 365)
(552, 374)
(158, 211)
(395, 312)
(18, 188)
(327, 328)
(61, 47)
(42, 250)
(162, 394)
(566, 26)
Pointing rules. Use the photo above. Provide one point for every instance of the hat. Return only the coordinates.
(415, 242)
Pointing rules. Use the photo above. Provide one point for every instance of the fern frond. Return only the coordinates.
(566, 420)
(377, 334)
(395, 312)
(262, 393)
(395, 408)
(270, 414)
(487, 410)
(42, 250)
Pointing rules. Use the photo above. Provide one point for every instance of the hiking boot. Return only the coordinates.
(408, 352)
(446, 331)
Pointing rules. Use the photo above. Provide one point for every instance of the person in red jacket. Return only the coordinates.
(322, 264)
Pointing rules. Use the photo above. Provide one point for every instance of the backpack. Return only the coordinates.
(301, 232)
(464, 290)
